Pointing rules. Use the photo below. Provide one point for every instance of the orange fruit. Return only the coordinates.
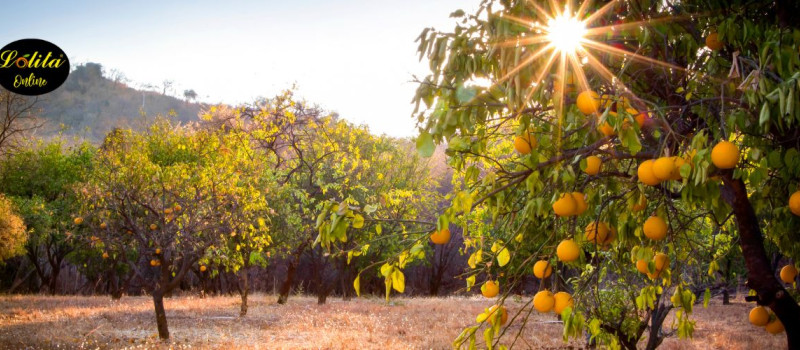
(606, 129)
(490, 289)
(580, 202)
(596, 232)
(441, 237)
(655, 228)
(168, 211)
(725, 155)
(502, 317)
(523, 144)
(593, 164)
(78, 221)
(153, 227)
(641, 266)
(588, 102)
(794, 203)
(788, 273)
(640, 118)
(544, 301)
(612, 235)
(562, 301)
(565, 206)
(775, 327)
(154, 262)
(105, 255)
(542, 269)
(645, 173)
(158, 251)
(178, 207)
(567, 250)
(759, 316)
(713, 43)
(663, 168)
(103, 226)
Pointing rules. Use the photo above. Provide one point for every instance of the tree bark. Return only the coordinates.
(656, 323)
(760, 275)
(161, 314)
(286, 287)
(243, 292)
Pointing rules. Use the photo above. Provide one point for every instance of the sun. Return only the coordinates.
(565, 33)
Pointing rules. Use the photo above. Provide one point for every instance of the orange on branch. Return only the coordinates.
(645, 173)
(788, 273)
(759, 316)
(544, 301)
(502, 316)
(775, 327)
(588, 102)
(542, 269)
(593, 164)
(78, 221)
(725, 155)
(490, 289)
(562, 301)
(641, 266)
(441, 237)
(794, 203)
(202, 268)
(568, 250)
(663, 168)
(596, 232)
(655, 228)
(566, 205)
(580, 202)
(713, 43)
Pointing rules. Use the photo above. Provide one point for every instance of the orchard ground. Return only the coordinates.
(365, 323)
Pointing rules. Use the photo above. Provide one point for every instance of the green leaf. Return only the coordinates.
(706, 298)
(425, 145)
(503, 257)
(465, 94)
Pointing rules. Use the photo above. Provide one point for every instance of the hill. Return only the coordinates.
(90, 104)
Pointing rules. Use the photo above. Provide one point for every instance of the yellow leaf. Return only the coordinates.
(398, 281)
(358, 221)
(470, 282)
(503, 257)
(357, 285)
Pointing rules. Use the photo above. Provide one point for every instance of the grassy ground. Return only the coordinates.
(419, 323)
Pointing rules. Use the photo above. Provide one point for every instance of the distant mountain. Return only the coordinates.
(90, 105)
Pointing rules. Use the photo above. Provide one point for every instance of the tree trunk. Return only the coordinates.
(656, 322)
(760, 275)
(161, 315)
(322, 294)
(244, 288)
(286, 287)
(53, 280)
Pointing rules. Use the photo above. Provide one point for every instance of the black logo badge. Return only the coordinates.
(32, 67)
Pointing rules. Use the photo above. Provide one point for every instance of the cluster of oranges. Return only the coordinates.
(761, 317)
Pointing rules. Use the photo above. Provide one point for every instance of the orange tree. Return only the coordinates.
(637, 127)
(165, 197)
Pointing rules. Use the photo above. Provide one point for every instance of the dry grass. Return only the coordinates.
(419, 323)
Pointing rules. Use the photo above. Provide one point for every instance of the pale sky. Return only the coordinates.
(354, 57)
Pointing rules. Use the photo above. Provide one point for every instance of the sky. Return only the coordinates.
(353, 57)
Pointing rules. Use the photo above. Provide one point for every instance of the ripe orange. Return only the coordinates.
(168, 211)
(596, 232)
(645, 173)
(640, 118)
(713, 43)
(158, 251)
(565, 206)
(588, 102)
(655, 228)
(490, 289)
(593, 164)
(788, 273)
(441, 237)
(503, 317)
(606, 129)
(105, 255)
(679, 162)
(202, 268)
(567, 250)
(775, 327)
(153, 227)
(154, 262)
(663, 168)
(178, 207)
(78, 221)
(523, 144)
(542, 269)
(759, 316)
(544, 301)
(725, 155)
(612, 235)
(103, 226)
(641, 266)
(794, 203)
(580, 202)
(562, 301)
